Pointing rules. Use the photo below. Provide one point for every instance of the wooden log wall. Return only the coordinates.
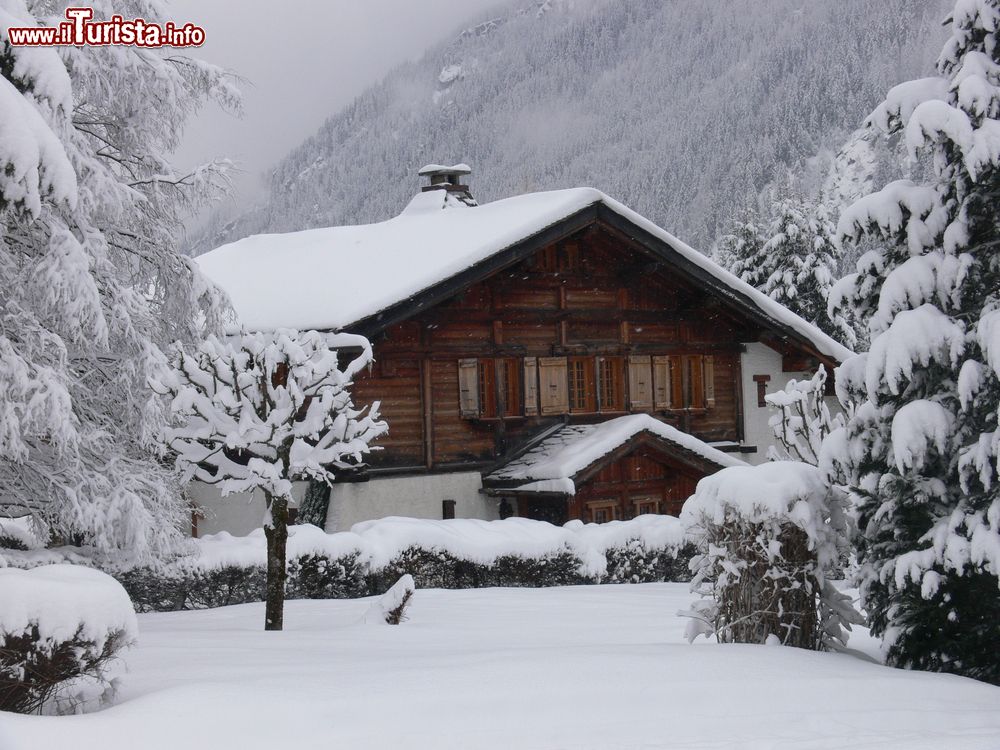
(593, 294)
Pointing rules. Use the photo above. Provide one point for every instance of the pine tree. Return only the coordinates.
(263, 410)
(792, 258)
(91, 288)
(315, 504)
(741, 252)
(921, 446)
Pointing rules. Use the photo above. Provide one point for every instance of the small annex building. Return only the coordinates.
(551, 355)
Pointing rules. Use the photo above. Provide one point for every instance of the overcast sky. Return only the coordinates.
(302, 64)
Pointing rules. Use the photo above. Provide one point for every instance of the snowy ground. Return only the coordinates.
(583, 668)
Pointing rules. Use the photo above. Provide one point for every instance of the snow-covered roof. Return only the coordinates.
(552, 464)
(334, 277)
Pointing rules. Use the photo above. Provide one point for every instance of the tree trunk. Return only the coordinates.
(276, 533)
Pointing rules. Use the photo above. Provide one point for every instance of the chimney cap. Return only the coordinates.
(432, 170)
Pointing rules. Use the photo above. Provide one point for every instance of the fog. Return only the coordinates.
(300, 64)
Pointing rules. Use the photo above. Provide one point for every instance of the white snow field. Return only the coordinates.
(581, 668)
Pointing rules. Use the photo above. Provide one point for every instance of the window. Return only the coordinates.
(530, 386)
(581, 385)
(602, 511)
(611, 384)
(510, 386)
(489, 387)
(646, 505)
(684, 382)
(447, 509)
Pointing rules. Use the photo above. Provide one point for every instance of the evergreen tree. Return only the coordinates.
(792, 259)
(742, 252)
(91, 287)
(921, 446)
(315, 504)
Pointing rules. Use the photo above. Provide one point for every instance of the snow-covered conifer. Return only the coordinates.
(262, 411)
(91, 289)
(921, 446)
(792, 258)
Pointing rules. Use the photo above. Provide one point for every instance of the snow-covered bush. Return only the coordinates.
(224, 570)
(634, 562)
(61, 627)
(390, 608)
(803, 419)
(454, 554)
(765, 536)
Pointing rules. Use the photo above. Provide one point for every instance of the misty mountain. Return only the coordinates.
(686, 111)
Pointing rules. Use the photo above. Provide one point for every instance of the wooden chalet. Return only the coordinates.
(556, 354)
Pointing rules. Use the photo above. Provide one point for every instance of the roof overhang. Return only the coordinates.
(596, 212)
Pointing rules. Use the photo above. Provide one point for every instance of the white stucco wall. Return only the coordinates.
(760, 359)
(239, 514)
(419, 497)
(416, 496)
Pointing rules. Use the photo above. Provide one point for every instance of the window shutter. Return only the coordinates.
(640, 391)
(709, 368)
(661, 382)
(678, 383)
(553, 393)
(696, 386)
(468, 387)
(530, 386)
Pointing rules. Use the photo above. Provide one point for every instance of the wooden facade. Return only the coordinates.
(588, 326)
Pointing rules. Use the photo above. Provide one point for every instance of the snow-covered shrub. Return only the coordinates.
(803, 419)
(766, 534)
(431, 568)
(61, 627)
(560, 568)
(320, 576)
(224, 570)
(635, 563)
(455, 554)
(390, 608)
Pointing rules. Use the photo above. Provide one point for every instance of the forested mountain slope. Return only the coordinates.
(683, 110)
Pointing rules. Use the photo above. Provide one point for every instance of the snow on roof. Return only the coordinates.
(333, 277)
(551, 465)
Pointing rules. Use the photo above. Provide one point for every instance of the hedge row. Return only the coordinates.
(316, 576)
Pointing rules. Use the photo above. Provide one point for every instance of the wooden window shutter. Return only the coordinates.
(709, 375)
(678, 378)
(468, 387)
(640, 386)
(696, 382)
(530, 386)
(553, 393)
(661, 383)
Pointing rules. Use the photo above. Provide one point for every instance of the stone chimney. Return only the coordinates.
(448, 178)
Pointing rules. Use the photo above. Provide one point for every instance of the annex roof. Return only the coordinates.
(346, 277)
(554, 464)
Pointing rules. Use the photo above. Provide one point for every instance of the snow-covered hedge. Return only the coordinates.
(60, 628)
(766, 537)
(457, 553)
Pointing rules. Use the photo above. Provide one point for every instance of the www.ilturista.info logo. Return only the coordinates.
(79, 29)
